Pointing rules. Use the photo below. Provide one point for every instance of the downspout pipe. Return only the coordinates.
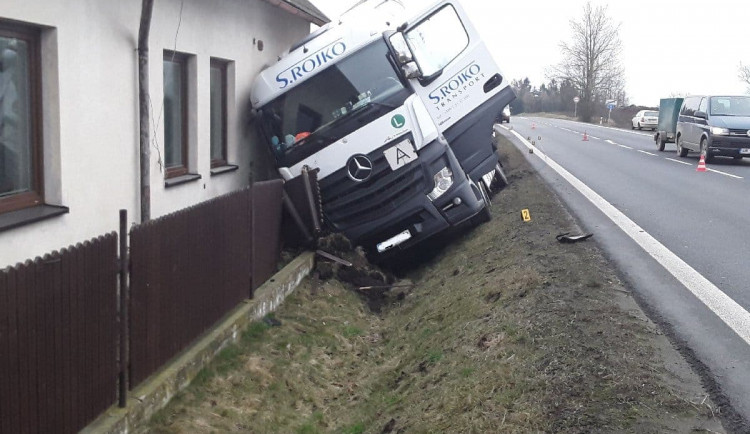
(147, 8)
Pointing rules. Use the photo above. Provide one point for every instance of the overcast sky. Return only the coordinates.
(669, 47)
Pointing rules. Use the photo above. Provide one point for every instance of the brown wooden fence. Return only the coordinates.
(190, 268)
(58, 336)
(59, 329)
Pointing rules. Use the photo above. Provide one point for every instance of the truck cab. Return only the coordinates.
(396, 120)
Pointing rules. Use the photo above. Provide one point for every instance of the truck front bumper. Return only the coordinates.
(398, 221)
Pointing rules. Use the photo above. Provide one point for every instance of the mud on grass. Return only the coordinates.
(506, 330)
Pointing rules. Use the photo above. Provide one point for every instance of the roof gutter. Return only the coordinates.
(297, 11)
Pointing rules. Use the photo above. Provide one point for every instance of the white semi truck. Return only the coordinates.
(396, 117)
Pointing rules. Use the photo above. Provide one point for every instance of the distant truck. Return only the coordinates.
(396, 116)
(666, 129)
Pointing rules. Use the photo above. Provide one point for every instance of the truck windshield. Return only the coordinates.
(730, 106)
(332, 104)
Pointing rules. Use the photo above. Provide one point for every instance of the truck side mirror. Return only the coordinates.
(411, 70)
(403, 53)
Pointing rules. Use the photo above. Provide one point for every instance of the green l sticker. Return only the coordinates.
(398, 121)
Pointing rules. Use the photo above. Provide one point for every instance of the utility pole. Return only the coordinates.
(147, 9)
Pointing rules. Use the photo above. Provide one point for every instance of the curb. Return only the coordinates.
(156, 392)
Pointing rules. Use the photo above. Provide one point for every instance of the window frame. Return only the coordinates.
(223, 67)
(701, 106)
(35, 195)
(427, 78)
(689, 106)
(182, 60)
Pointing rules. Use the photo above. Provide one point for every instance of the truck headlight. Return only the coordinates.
(443, 181)
(717, 131)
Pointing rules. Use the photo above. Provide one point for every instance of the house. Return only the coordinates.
(69, 110)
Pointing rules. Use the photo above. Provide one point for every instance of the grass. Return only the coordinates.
(507, 330)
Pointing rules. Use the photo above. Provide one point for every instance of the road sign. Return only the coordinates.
(611, 103)
(576, 99)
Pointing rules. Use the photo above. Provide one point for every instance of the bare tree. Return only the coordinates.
(745, 75)
(591, 60)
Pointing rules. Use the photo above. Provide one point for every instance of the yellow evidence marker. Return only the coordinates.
(526, 215)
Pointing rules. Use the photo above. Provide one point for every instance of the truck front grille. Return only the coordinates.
(347, 203)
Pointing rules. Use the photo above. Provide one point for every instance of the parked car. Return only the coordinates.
(504, 116)
(714, 126)
(645, 119)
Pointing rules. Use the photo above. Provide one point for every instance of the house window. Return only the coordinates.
(218, 113)
(20, 118)
(175, 114)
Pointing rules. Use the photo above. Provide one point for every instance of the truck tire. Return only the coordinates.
(500, 181)
(485, 214)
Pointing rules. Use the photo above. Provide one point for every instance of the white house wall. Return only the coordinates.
(91, 106)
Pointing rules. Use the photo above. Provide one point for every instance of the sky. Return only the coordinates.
(669, 47)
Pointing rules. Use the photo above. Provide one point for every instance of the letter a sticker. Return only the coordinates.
(401, 155)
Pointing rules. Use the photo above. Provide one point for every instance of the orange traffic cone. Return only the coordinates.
(585, 137)
(701, 164)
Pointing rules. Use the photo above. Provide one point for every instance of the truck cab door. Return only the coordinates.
(459, 83)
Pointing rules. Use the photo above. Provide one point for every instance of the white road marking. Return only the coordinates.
(644, 152)
(724, 173)
(678, 161)
(728, 310)
(611, 128)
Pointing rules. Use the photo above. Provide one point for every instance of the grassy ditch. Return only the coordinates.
(505, 330)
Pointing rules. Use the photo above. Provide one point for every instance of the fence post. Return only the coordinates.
(124, 262)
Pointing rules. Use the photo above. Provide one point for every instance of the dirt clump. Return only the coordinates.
(377, 286)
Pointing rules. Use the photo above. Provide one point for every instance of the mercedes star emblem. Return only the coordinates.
(359, 168)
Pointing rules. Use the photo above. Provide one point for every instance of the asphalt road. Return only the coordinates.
(701, 217)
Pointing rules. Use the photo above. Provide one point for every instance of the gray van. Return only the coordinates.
(714, 126)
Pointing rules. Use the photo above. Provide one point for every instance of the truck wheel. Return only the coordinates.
(501, 181)
(660, 142)
(704, 151)
(639, 126)
(485, 214)
(682, 152)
